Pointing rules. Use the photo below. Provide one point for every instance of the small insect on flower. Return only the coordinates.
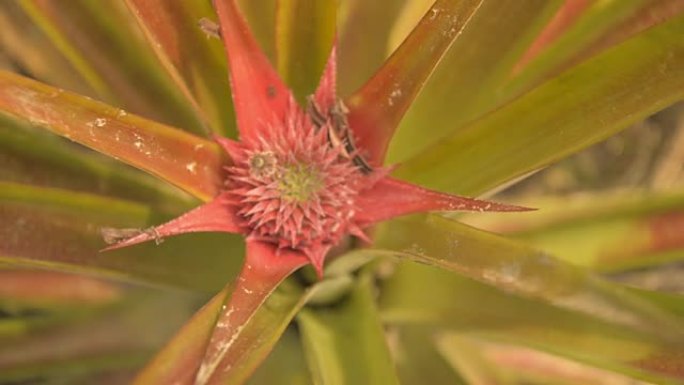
(338, 132)
(210, 28)
(112, 236)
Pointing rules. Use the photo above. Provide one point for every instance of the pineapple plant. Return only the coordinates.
(291, 192)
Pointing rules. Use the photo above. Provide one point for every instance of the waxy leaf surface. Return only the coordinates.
(574, 110)
(98, 40)
(467, 81)
(187, 161)
(194, 61)
(61, 230)
(346, 344)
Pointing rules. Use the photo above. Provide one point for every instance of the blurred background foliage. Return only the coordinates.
(572, 107)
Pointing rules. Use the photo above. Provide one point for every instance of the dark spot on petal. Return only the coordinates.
(271, 92)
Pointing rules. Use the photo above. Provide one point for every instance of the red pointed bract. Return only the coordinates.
(263, 270)
(391, 198)
(216, 215)
(326, 92)
(260, 97)
(376, 109)
(316, 256)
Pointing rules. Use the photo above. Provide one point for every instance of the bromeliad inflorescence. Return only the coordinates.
(297, 182)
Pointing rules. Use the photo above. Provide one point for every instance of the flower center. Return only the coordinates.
(299, 182)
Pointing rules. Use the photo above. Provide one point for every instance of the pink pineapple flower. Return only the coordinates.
(299, 182)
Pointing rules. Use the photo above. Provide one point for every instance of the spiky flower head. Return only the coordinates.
(294, 188)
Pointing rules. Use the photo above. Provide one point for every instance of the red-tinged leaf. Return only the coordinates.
(195, 62)
(520, 269)
(417, 359)
(377, 108)
(606, 232)
(34, 53)
(45, 288)
(345, 343)
(181, 359)
(60, 230)
(363, 39)
(522, 364)
(178, 362)
(33, 156)
(470, 363)
(667, 231)
(433, 298)
(305, 31)
(391, 198)
(258, 338)
(189, 162)
(261, 274)
(572, 46)
(651, 14)
(95, 37)
(115, 338)
(582, 106)
(260, 97)
(214, 216)
(669, 363)
(566, 16)
(467, 81)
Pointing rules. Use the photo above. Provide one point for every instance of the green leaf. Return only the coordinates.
(376, 109)
(595, 20)
(417, 359)
(32, 51)
(22, 289)
(285, 364)
(72, 369)
(305, 30)
(181, 358)
(483, 360)
(604, 231)
(466, 82)
(599, 25)
(196, 63)
(522, 270)
(60, 230)
(346, 344)
(364, 28)
(580, 107)
(96, 37)
(246, 328)
(429, 297)
(465, 357)
(33, 156)
(563, 20)
(649, 15)
(111, 340)
(187, 161)
(261, 16)
(36, 301)
(261, 334)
